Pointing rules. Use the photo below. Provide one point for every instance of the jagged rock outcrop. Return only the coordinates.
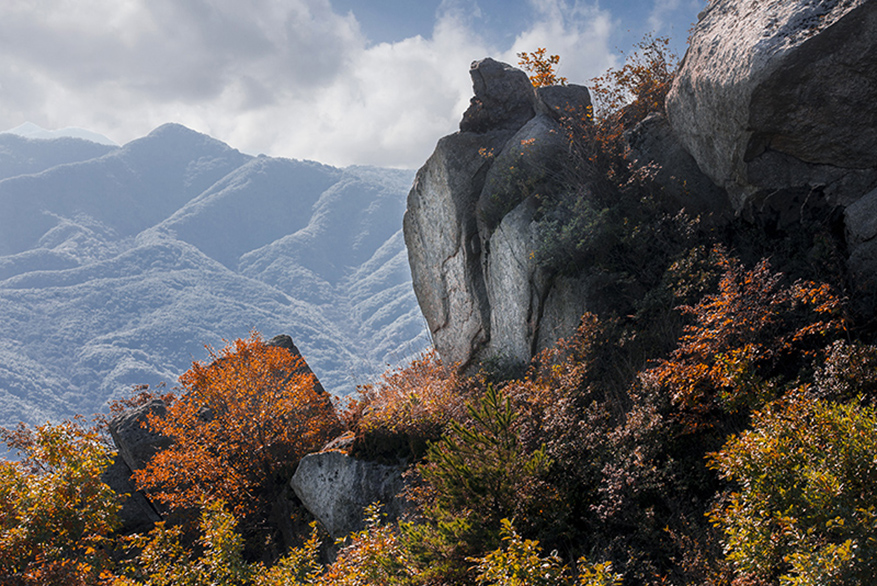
(285, 341)
(779, 94)
(472, 204)
(335, 488)
(136, 444)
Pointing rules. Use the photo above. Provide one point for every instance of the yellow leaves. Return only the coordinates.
(541, 67)
(56, 515)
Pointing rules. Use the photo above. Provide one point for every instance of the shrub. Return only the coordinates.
(374, 555)
(477, 474)
(56, 514)
(746, 340)
(541, 67)
(245, 419)
(408, 407)
(803, 510)
(520, 563)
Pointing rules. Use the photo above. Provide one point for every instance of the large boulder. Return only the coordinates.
(781, 92)
(335, 488)
(507, 152)
(136, 441)
(136, 444)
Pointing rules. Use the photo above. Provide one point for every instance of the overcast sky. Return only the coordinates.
(372, 82)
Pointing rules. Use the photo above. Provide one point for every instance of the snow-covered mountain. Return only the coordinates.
(118, 264)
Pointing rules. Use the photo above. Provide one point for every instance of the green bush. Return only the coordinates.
(804, 507)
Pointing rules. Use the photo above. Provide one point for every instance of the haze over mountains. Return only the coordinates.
(117, 265)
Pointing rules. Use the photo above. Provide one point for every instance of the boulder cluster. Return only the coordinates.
(772, 116)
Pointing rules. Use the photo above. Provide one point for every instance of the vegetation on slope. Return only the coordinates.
(716, 426)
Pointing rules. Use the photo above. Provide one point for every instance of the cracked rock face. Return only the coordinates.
(468, 225)
(336, 488)
(780, 91)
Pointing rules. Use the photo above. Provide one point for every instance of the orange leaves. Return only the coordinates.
(245, 419)
(541, 67)
(749, 332)
(407, 407)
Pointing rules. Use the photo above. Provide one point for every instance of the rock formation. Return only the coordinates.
(780, 93)
(137, 444)
(335, 488)
(468, 226)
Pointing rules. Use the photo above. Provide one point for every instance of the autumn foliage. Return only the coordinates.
(56, 514)
(407, 407)
(541, 67)
(755, 331)
(245, 418)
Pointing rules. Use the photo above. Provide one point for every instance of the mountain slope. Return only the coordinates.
(116, 268)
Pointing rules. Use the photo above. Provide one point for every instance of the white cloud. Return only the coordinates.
(578, 33)
(284, 77)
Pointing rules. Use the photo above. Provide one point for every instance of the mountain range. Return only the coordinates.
(119, 264)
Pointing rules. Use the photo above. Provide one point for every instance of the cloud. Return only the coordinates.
(667, 14)
(579, 33)
(284, 77)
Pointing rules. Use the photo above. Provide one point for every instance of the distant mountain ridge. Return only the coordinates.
(117, 264)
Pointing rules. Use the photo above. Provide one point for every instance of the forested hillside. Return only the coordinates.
(117, 266)
(709, 420)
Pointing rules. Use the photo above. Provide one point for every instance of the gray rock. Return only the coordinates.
(504, 97)
(336, 488)
(514, 293)
(529, 163)
(562, 101)
(136, 442)
(794, 77)
(653, 143)
(510, 150)
(444, 247)
(861, 232)
(137, 514)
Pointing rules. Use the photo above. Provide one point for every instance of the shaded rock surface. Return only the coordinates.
(781, 92)
(475, 195)
(137, 444)
(335, 488)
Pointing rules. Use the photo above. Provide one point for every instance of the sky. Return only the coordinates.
(343, 82)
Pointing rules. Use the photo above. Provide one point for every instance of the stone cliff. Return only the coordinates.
(468, 226)
(772, 116)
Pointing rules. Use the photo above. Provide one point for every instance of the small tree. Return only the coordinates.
(804, 510)
(245, 419)
(541, 67)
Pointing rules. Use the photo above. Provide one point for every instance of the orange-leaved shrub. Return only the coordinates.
(541, 67)
(621, 99)
(244, 420)
(747, 339)
(395, 417)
